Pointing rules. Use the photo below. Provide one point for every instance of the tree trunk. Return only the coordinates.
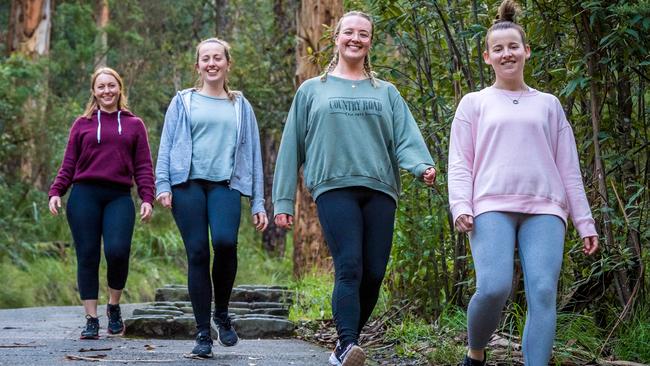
(221, 20)
(310, 251)
(273, 238)
(590, 43)
(102, 17)
(30, 23)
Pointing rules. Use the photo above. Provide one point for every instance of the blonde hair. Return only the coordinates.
(226, 51)
(367, 67)
(505, 19)
(122, 100)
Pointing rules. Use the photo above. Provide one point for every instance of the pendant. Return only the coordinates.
(354, 85)
(515, 101)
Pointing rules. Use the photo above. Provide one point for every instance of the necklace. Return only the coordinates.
(516, 100)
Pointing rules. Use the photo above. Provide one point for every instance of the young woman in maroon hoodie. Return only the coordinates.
(107, 150)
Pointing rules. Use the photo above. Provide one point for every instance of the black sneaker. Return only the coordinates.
(203, 348)
(226, 335)
(467, 361)
(350, 355)
(91, 331)
(115, 323)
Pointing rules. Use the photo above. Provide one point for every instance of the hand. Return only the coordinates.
(465, 223)
(429, 176)
(284, 221)
(261, 221)
(54, 205)
(165, 199)
(590, 245)
(146, 211)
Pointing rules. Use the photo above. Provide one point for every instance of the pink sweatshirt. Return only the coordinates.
(515, 158)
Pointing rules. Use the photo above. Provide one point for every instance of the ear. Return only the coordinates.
(486, 57)
(527, 51)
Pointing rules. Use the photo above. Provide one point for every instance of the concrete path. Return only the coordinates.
(50, 336)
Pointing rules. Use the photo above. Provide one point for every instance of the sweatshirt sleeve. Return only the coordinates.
(143, 165)
(257, 196)
(411, 150)
(64, 178)
(290, 156)
(568, 166)
(461, 160)
(163, 182)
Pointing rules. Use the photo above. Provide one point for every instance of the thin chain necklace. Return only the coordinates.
(516, 100)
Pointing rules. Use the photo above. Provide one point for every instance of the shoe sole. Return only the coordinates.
(192, 355)
(89, 337)
(119, 334)
(355, 357)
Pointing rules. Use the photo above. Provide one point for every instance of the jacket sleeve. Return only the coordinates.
(257, 196)
(143, 165)
(291, 156)
(64, 178)
(163, 183)
(460, 178)
(568, 166)
(411, 150)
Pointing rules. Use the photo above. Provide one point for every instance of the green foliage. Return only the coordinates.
(633, 337)
(313, 297)
(577, 331)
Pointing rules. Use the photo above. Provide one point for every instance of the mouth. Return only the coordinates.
(354, 47)
(509, 62)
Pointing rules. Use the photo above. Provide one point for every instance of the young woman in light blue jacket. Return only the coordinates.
(209, 157)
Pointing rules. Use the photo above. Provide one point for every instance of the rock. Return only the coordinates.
(172, 294)
(262, 327)
(269, 311)
(160, 326)
(242, 294)
(156, 311)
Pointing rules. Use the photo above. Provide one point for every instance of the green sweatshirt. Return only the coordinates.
(347, 133)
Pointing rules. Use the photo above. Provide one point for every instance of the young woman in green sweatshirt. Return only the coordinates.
(351, 132)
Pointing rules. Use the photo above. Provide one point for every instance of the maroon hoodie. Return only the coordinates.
(107, 148)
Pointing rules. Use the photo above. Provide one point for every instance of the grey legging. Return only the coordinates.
(541, 247)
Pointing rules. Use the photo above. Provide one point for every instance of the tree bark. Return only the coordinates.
(102, 18)
(30, 25)
(310, 252)
(221, 20)
(273, 238)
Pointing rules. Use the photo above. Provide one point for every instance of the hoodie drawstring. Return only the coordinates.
(99, 125)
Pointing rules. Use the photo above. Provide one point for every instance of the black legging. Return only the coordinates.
(198, 205)
(358, 226)
(95, 211)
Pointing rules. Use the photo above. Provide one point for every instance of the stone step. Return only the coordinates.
(157, 311)
(269, 311)
(251, 326)
(244, 293)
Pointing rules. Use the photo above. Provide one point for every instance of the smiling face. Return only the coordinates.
(212, 63)
(507, 54)
(106, 90)
(354, 38)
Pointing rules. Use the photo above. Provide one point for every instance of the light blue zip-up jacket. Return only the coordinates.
(175, 151)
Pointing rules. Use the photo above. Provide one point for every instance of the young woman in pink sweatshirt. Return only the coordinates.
(514, 177)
